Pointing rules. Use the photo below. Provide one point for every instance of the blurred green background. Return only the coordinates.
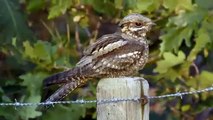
(41, 37)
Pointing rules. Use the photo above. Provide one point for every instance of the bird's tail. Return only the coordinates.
(64, 77)
(64, 90)
(70, 79)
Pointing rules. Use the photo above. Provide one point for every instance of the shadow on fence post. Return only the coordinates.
(122, 88)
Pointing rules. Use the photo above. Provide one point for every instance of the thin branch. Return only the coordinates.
(77, 40)
(95, 33)
(68, 34)
(196, 68)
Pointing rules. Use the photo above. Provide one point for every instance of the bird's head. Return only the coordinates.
(135, 25)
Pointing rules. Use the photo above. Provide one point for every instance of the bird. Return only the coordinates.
(119, 54)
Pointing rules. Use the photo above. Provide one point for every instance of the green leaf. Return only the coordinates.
(185, 108)
(14, 42)
(118, 4)
(180, 28)
(189, 19)
(205, 79)
(41, 52)
(170, 4)
(72, 112)
(28, 49)
(147, 5)
(82, 19)
(207, 25)
(206, 4)
(106, 7)
(171, 74)
(130, 4)
(12, 23)
(9, 113)
(174, 38)
(33, 83)
(30, 112)
(170, 60)
(178, 4)
(59, 7)
(34, 5)
(201, 40)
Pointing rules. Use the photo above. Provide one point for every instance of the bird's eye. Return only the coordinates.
(138, 24)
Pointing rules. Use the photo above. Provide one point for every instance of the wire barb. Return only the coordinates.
(104, 101)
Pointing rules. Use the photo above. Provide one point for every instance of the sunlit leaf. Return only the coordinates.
(174, 38)
(178, 4)
(41, 52)
(170, 74)
(170, 60)
(205, 79)
(118, 4)
(185, 108)
(28, 49)
(185, 23)
(147, 5)
(207, 25)
(189, 19)
(14, 42)
(59, 7)
(201, 41)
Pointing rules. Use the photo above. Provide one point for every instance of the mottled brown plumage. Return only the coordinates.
(120, 54)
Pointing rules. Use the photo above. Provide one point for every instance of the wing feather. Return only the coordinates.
(103, 45)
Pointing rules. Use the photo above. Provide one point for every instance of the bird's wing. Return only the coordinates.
(103, 45)
(128, 57)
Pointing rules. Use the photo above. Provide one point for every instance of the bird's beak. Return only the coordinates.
(152, 24)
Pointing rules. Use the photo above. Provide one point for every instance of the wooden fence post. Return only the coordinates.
(123, 87)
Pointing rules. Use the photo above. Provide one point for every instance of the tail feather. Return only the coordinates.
(70, 80)
(57, 78)
(63, 91)
(62, 77)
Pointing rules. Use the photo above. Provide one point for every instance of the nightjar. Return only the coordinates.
(113, 55)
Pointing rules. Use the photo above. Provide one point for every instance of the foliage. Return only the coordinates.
(11, 22)
(40, 37)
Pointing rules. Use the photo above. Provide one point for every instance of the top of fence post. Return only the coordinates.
(122, 88)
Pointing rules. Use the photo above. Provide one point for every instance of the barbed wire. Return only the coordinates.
(114, 100)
